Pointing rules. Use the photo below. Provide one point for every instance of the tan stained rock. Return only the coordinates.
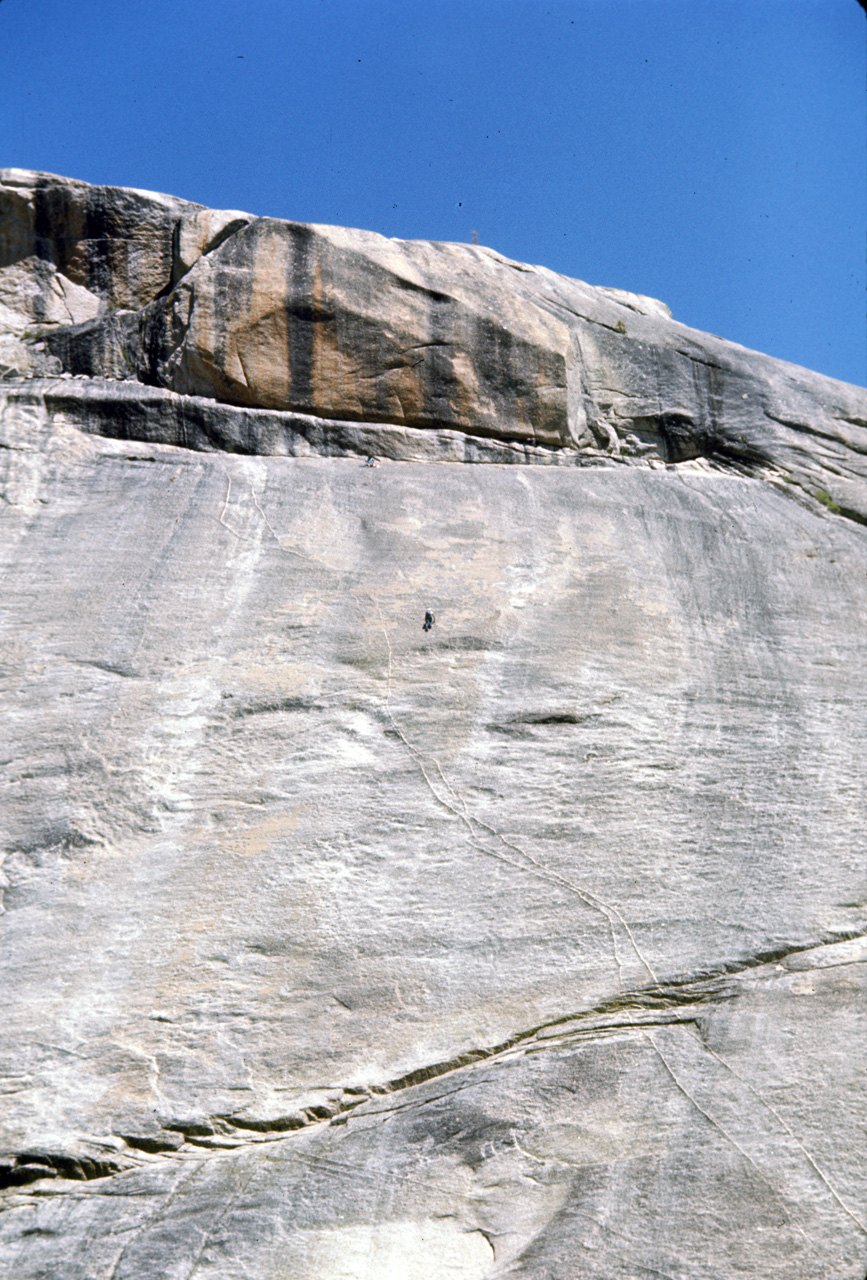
(350, 325)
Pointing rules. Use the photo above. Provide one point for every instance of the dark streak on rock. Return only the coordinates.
(265, 706)
(30, 1166)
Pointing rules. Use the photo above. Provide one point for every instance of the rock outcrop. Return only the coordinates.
(349, 327)
(529, 943)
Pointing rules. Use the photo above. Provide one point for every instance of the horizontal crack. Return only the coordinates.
(671, 1003)
(676, 1002)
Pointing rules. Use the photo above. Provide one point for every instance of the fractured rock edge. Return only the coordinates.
(678, 1001)
(132, 411)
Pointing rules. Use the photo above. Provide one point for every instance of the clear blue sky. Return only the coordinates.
(712, 153)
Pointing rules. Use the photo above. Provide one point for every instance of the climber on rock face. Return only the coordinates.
(429, 620)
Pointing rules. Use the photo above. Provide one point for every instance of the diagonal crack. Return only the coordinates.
(641, 1010)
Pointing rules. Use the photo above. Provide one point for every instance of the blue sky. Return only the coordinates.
(712, 153)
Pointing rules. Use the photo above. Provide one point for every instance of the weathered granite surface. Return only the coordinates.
(532, 945)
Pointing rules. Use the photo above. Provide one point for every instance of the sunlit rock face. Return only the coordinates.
(531, 944)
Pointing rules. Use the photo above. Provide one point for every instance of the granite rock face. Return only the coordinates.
(530, 945)
(349, 327)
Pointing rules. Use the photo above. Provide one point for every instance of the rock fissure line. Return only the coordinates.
(105, 409)
(784, 1125)
(462, 814)
(108, 415)
(20, 1170)
(159, 1211)
(675, 996)
(220, 1212)
(745, 1154)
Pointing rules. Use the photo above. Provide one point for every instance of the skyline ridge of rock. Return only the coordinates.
(405, 335)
